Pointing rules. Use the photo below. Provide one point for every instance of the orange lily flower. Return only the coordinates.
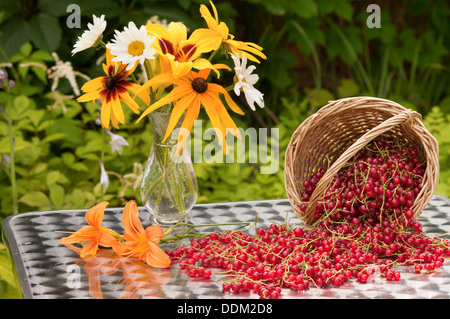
(94, 235)
(139, 242)
(113, 88)
(189, 93)
(180, 54)
(230, 45)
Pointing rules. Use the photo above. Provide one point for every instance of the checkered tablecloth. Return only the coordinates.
(47, 269)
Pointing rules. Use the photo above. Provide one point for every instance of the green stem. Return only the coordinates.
(213, 55)
(189, 233)
(12, 146)
(102, 156)
(149, 72)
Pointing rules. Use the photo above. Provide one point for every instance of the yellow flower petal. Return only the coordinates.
(217, 88)
(126, 98)
(209, 104)
(105, 114)
(114, 121)
(180, 69)
(207, 40)
(177, 112)
(178, 31)
(94, 84)
(159, 80)
(191, 115)
(91, 96)
(227, 121)
(177, 93)
(117, 110)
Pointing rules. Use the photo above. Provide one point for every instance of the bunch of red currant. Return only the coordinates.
(363, 225)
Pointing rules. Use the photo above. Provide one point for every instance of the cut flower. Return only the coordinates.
(189, 94)
(245, 82)
(179, 53)
(139, 242)
(113, 88)
(91, 37)
(230, 44)
(132, 45)
(94, 235)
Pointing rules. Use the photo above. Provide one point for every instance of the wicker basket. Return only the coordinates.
(336, 132)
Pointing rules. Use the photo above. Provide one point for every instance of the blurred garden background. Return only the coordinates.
(317, 50)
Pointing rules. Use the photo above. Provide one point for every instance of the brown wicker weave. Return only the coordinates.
(335, 133)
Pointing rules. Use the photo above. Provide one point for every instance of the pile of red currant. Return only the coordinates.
(363, 225)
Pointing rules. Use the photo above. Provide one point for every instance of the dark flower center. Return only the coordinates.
(111, 82)
(199, 85)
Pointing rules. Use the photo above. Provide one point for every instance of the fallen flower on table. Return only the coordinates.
(139, 242)
(136, 241)
(92, 236)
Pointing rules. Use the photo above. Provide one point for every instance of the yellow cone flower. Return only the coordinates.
(189, 94)
(222, 32)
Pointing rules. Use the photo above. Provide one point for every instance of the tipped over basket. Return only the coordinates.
(334, 134)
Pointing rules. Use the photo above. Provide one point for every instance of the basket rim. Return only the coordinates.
(412, 118)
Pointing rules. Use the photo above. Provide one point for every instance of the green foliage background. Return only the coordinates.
(317, 50)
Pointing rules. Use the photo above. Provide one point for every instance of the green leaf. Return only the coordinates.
(319, 97)
(348, 88)
(36, 199)
(68, 127)
(20, 106)
(42, 55)
(303, 8)
(14, 32)
(19, 145)
(47, 33)
(344, 9)
(54, 137)
(26, 49)
(57, 195)
(78, 198)
(39, 168)
(80, 167)
(52, 177)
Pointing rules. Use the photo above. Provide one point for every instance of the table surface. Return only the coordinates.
(47, 269)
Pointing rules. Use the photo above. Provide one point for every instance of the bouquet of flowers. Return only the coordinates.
(178, 73)
(178, 70)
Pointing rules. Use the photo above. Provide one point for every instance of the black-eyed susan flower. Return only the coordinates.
(230, 45)
(188, 95)
(113, 88)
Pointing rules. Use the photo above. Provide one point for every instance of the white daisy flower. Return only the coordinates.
(132, 45)
(117, 142)
(92, 36)
(245, 82)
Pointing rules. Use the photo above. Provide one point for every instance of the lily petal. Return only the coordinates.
(94, 216)
(131, 222)
(156, 257)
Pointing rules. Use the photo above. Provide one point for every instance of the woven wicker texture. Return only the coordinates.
(336, 132)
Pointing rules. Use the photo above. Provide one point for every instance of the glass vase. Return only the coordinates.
(169, 185)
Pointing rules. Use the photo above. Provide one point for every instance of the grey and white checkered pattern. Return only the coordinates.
(47, 269)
